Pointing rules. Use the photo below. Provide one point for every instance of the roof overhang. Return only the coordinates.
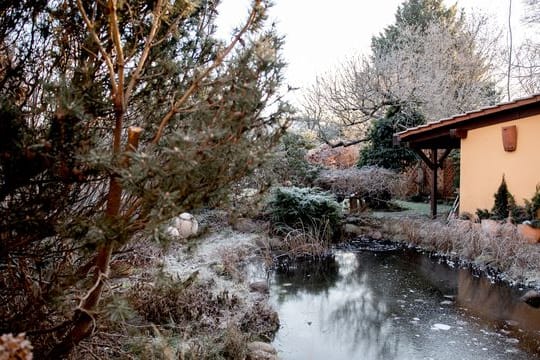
(447, 133)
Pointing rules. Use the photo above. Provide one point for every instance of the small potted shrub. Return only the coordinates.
(503, 203)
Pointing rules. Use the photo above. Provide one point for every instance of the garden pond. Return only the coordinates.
(387, 302)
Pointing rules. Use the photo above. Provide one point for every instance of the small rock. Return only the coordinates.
(274, 242)
(261, 355)
(172, 232)
(262, 243)
(512, 323)
(353, 229)
(259, 286)
(262, 346)
(185, 224)
(532, 298)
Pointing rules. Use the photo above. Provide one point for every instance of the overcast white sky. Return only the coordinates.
(320, 34)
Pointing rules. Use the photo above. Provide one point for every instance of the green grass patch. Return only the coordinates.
(414, 208)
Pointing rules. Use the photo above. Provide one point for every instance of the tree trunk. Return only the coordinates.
(83, 319)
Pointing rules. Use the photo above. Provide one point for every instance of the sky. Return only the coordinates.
(321, 34)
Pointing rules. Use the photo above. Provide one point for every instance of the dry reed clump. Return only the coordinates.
(234, 343)
(501, 248)
(181, 320)
(166, 344)
(306, 218)
(261, 321)
(313, 240)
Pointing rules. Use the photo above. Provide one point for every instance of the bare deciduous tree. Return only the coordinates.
(434, 70)
(526, 62)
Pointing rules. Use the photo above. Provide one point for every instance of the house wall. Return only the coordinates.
(484, 161)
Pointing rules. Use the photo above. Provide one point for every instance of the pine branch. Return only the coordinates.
(217, 62)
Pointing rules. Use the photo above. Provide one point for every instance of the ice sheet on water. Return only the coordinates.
(440, 327)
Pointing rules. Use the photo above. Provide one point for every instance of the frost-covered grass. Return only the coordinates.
(191, 301)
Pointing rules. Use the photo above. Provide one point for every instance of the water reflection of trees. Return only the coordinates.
(360, 296)
(358, 316)
(361, 320)
(309, 276)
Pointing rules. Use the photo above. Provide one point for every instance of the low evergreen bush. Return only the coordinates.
(304, 208)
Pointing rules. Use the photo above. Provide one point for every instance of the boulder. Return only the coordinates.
(259, 286)
(185, 224)
(354, 229)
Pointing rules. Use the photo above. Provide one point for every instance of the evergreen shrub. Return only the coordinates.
(288, 162)
(304, 208)
(503, 202)
(381, 150)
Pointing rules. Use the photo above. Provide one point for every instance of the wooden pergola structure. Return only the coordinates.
(434, 141)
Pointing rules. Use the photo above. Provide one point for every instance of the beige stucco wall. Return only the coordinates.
(484, 161)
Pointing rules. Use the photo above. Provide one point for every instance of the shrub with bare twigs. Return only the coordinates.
(376, 186)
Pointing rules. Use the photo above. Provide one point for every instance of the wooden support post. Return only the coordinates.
(434, 183)
(353, 204)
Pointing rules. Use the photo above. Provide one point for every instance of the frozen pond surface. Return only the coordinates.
(398, 304)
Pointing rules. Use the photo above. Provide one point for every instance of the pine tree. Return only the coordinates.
(116, 116)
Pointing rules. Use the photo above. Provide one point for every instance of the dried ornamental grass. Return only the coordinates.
(502, 249)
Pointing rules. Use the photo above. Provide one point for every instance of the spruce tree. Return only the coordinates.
(418, 14)
(503, 201)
